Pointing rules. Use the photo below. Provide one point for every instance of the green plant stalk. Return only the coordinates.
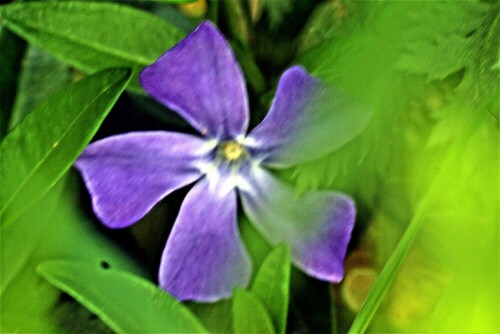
(213, 11)
(237, 20)
(333, 311)
(252, 71)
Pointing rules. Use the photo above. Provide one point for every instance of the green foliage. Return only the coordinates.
(215, 317)
(403, 163)
(108, 292)
(277, 10)
(466, 40)
(361, 67)
(41, 76)
(258, 248)
(34, 158)
(332, 20)
(93, 36)
(272, 285)
(372, 60)
(389, 273)
(249, 314)
(55, 228)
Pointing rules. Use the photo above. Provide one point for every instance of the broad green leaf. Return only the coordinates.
(19, 242)
(272, 285)
(37, 152)
(249, 314)
(125, 302)
(92, 36)
(53, 228)
(41, 76)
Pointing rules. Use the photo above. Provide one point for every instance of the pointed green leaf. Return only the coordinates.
(37, 152)
(249, 314)
(125, 302)
(272, 285)
(55, 227)
(92, 36)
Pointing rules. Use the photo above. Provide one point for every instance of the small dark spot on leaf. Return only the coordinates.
(470, 33)
(105, 265)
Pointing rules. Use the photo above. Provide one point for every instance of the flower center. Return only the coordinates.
(231, 150)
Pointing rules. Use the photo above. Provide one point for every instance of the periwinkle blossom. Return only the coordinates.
(204, 258)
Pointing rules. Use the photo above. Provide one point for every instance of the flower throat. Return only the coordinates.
(231, 151)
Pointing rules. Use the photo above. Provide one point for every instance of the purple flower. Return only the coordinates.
(204, 258)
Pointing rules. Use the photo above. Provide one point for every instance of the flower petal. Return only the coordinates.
(128, 174)
(307, 119)
(204, 258)
(316, 225)
(200, 79)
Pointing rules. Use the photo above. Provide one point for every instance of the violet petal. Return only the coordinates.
(200, 79)
(317, 225)
(128, 174)
(307, 120)
(204, 258)
(280, 128)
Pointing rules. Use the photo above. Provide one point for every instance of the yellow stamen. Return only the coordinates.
(233, 151)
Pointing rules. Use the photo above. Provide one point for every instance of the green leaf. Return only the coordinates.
(54, 228)
(466, 43)
(125, 302)
(216, 317)
(92, 36)
(249, 314)
(258, 248)
(272, 285)
(41, 76)
(37, 152)
(20, 241)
